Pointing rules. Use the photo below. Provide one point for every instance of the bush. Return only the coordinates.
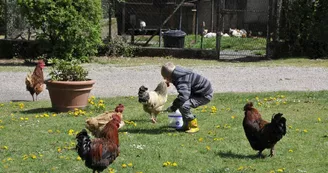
(67, 70)
(71, 26)
(305, 28)
(119, 47)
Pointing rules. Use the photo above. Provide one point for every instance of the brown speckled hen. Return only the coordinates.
(35, 81)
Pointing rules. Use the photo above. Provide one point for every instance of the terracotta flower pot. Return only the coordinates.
(68, 95)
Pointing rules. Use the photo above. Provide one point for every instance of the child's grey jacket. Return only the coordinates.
(189, 85)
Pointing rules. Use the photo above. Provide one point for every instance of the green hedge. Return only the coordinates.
(71, 26)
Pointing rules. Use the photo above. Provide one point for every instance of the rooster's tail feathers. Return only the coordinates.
(83, 143)
(28, 80)
(280, 122)
(248, 106)
(143, 95)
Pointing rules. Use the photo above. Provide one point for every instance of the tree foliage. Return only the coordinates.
(306, 25)
(71, 26)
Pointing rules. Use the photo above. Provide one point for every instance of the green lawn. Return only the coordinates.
(34, 139)
(227, 43)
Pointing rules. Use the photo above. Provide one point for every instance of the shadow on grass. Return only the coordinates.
(37, 110)
(232, 155)
(153, 131)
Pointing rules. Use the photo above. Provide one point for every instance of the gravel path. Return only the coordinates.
(114, 81)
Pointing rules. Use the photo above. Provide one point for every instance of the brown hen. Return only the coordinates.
(96, 124)
(260, 133)
(35, 81)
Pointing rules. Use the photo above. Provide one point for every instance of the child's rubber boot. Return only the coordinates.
(192, 126)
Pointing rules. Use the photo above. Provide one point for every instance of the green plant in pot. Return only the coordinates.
(69, 87)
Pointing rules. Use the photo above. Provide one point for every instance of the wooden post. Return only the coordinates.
(196, 29)
(219, 27)
(110, 7)
(6, 19)
(123, 19)
(202, 35)
(269, 25)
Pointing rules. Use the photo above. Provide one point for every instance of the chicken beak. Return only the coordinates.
(167, 83)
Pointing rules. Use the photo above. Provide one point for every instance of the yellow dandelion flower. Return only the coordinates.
(165, 164)
(2, 127)
(290, 127)
(9, 159)
(240, 168)
(59, 149)
(5, 147)
(0, 121)
(297, 130)
(78, 158)
(26, 119)
(305, 131)
(124, 165)
(218, 126)
(200, 139)
(54, 114)
(284, 102)
(265, 99)
(282, 96)
(257, 98)
(33, 156)
(41, 116)
(41, 155)
(25, 157)
(169, 163)
(36, 116)
(46, 115)
(233, 117)
(111, 170)
(319, 119)
(21, 118)
(70, 132)
(50, 131)
(208, 148)
(272, 171)
(130, 164)
(174, 164)
(290, 150)
(218, 139)
(280, 170)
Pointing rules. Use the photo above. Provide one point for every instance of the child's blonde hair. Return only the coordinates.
(167, 69)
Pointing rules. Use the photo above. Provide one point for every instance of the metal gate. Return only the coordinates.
(242, 25)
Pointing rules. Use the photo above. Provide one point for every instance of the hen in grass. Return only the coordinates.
(262, 134)
(35, 81)
(153, 101)
(96, 124)
(99, 153)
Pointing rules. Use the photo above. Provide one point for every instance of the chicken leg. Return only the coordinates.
(272, 152)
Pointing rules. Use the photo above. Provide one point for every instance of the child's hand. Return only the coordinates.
(169, 109)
